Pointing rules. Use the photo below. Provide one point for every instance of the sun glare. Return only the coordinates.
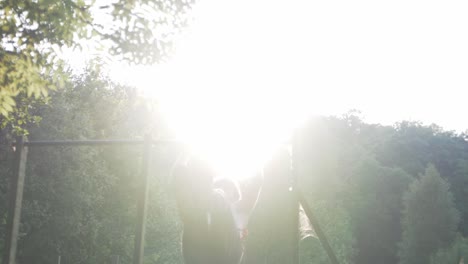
(247, 72)
(234, 90)
(230, 123)
(227, 92)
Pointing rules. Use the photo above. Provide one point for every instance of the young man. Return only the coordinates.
(210, 233)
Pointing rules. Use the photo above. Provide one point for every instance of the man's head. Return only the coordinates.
(230, 189)
(210, 235)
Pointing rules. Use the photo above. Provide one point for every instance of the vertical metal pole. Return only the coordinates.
(15, 202)
(116, 259)
(142, 203)
(294, 200)
(59, 259)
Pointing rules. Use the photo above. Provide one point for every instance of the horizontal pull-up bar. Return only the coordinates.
(97, 142)
(166, 142)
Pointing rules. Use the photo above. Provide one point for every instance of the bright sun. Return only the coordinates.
(230, 92)
(227, 92)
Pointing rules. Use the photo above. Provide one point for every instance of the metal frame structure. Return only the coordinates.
(19, 173)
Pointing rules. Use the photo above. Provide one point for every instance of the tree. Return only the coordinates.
(459, 181)
(457, 251)
(429, 218)
(33, 32)
(375, 203)
(80, 202)
(410, 146)
(67, 205)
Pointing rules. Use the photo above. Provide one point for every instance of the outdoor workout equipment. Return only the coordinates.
(19, 172)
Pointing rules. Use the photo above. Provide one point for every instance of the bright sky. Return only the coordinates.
(252, 69)
(392, 60)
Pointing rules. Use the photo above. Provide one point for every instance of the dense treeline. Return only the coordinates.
(80, 202)
(384, 194)
(366, 171)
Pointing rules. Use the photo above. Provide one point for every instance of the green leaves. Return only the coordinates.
(456, 253)
(80, 202)
(31, 31)
(430, 218)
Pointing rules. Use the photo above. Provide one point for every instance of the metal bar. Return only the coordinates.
(320, 234)
(15, 203)
(103, 142)
(294, 200)
(142, 203)
(97, 142)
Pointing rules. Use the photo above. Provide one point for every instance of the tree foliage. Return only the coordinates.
(375, 204)
(429, 220)
(457, 252)
(80, 202)
(33, 33)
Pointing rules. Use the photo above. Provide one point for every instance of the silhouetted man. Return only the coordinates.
(210, 235)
